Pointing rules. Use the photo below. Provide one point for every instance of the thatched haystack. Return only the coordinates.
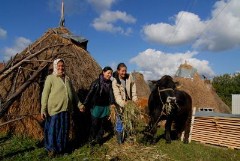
(143, 90)
(201, 91)
(22, 79)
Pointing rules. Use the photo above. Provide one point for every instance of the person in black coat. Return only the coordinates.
(100, 99)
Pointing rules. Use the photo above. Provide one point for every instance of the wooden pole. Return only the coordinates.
(5, 123)
(191, 127)
(192, 122)
(5, 73)
(12, 98)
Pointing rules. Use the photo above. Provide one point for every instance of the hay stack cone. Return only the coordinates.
(22, 78)
(143, 93)
(202, 93)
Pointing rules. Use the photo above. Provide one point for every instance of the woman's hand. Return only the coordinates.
(43, 116)
(82, 108)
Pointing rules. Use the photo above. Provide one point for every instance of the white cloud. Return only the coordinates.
(186, 28)
(19, 44)
(3, 33)
(107, 19)
(220, 32)
(154, 64)
(223, 32)
(101, 5)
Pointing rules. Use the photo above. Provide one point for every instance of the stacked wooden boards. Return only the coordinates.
(222, 131)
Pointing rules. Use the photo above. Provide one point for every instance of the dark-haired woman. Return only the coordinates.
(100, 99)
(58, 98)
(124, 89)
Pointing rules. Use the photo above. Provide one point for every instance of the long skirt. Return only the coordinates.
(56, 132)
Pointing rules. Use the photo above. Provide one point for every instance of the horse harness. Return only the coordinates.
(167, 106)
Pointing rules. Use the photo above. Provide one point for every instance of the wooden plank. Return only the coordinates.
(232, 146)
(212, 139)
(198, 132)
(218, 118)
(218, 130)
(217, 135)
(218, 122)
(215, 141)
(215, 126)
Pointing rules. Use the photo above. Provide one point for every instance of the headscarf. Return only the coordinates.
(55, 62)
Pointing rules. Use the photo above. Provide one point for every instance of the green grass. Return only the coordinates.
(19, 148)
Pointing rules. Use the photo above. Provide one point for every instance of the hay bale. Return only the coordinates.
(55, 43)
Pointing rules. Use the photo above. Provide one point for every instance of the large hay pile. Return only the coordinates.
(22, 79)
(143, 90)
(202, 93)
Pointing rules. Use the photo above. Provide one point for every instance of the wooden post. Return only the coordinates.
(191, 127)
(192, 122)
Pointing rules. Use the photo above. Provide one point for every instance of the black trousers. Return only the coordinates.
(99, 126)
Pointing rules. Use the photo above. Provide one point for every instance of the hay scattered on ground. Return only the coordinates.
(134, 152)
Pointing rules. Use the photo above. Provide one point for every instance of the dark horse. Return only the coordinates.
(166, 102)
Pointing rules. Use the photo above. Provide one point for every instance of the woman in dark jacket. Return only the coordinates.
(100, 98)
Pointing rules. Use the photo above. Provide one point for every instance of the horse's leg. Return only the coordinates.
(187, 129)
(168, 130)
(180, 125)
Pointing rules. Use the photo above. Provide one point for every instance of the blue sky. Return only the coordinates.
(151, 36)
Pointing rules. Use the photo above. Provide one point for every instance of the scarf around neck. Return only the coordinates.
(104, 84)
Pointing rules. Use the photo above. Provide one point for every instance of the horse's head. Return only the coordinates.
(166, 87)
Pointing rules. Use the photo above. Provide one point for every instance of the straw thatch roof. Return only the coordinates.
(201, 91)
(186, 71)
(22, 79)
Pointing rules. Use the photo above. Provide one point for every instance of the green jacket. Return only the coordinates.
(58, 96)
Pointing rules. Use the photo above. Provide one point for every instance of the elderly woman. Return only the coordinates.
(124, 89)
(100, 99)
(58, 99)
